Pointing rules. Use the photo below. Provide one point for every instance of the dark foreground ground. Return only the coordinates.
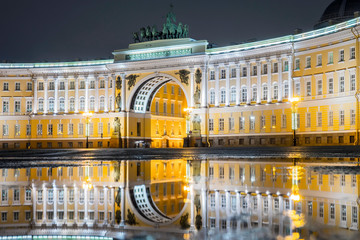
(111, 154)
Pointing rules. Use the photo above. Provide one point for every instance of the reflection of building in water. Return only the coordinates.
(264, 190)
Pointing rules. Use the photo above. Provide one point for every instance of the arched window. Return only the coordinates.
(222, 95)
(82, 104)
(254, 93)
(264, 92)
(61, 104)
(212, 96)
(102, 103)
(244, 94)
(51, 104)
(233, 94)
(72, 104)
(286, 89)
(275, 91)
(92, 103)
(41, 105)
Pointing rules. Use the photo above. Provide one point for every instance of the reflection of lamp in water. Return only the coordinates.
(294, 102)
(87, 115)
(295, 196)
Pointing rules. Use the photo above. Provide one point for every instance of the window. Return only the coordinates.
(165, 89)
(243, 94)
(341, 84)
(223, 201)
(212, 96)
(308, 88)
(4, 216)
(331, 119)
(352, 53)
(286, 89)
(60, 128)
(72, 85)
(82, 84)
(352, 82)
(321, 209)
(221, 124)
(319, 119)
(262, 122)
(341, 118)
(50, 129)
(51, 85)
(331, 85)
(231, 173)
(297, 88)
(41, 105)
(212, 201)
(297, 64)
(51, 104)
(352, 117)
(266, 205)
(241, 123)
(265, 69)
(28, 106)
(17, 86)
(233, 203)
(330, 58)
(4, 195)
(276, 91)
(17, 106)
(28, 130)
(275, 70)
(310, 208)
(17, 130)
(341, 55)
(308, 62)
(286, 66)
(82, 104)
(265, 92)
(29, 86)
(244, 71)
(223, 73)
(6, 86)
(319, 60)
(252, 122)
(233, 72)
(212, 223)
(353, 180)
(62, 85)
(233, 94)
(222, 95)
(273, 121)
(5, 130)
(92, 84)
(212, 75)
(5, 106)
(211, 172)
(254, 70)
(92, 103)
(283, 121)
(343, 213)
(221, 172)
(342, 180)
(354, 215)
(308, 119)
(254, 93)
(319, 87)
(164, 107)
(231, 124)
(61, 104)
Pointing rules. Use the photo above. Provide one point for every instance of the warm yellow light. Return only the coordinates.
(295, 99)
(87, 114)
(187, 109)
(295, 197)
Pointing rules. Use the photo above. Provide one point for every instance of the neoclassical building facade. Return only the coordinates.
(180, 92)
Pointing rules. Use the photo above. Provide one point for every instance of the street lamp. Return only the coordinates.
(187, 114)
(87, 116)
(294, 102)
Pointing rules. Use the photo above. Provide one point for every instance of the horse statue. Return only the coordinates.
(154, 32)
(172, 30)
(179, 29)
(165, 32)
(142, 34)
(148, 33)
(136, 37)
(186, 31)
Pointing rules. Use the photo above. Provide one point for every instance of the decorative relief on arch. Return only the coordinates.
(197, 93)
(184, 76)
(131, 80)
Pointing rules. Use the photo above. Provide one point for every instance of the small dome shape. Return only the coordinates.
(338, 11)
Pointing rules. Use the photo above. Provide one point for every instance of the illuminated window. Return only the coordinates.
(241, 123)
(212, 96)
(232, 94)
(262, 122)
(252, 122)
(17, 106)
(264, 92)
(92, 103)
(243, 94)
(273, 121)
(343, 213)
(330, 58)
(275, 91)
(341, 118)
(221, 124)
(222, 95)
(28, 106)
(5, 106)
(61, 104)
(50, 129)
(352, 82)
(17, 129)
(231, 124)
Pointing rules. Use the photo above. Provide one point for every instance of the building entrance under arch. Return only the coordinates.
(156, 116)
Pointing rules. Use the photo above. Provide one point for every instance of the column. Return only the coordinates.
(238, 209)
(192, 214)
(45, 95)
(217, 210)
(259, 201)
(204, 207)
(105, 205)
(35, 102)
(66, 94)
(248, 82)
(112, 206)
(113, 93)
(97, 80)
(192, 90)
(227, 86)
(259, 87)
(238, 83)
(216, 85)
(248, 210)
(85, 205)
(87, 81)
(269, 82)
(123, 91)
(280, 97)
(34, 197)
(65, 204)
(228, 210)
(122, 222)
(55, 204)
(204, 88)
(44, 204)
(96, 204)
(56, 100)
(75, 205)
(291, 82)
(281, 220)
(270, 215)
(76, 94)
(106, 108)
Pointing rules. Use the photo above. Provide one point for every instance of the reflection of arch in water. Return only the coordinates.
(144, 208)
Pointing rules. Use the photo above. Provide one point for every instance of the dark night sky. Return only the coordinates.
(43, 30)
